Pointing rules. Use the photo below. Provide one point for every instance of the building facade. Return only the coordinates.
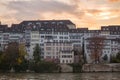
(60, 51)
(58, 38)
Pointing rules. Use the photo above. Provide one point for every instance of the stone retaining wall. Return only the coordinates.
(101, 67)
(66, 68)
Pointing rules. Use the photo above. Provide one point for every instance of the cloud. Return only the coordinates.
(34, 8)
(103, 14)
(81, 12)
(114, 0)
(40, 5)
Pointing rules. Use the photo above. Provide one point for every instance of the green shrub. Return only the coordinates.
(21, 67)
(77, 67)
(115, 59)
(4, 67)
(43, 66)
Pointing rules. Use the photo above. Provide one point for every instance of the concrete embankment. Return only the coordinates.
(66, 68)
(101, 67)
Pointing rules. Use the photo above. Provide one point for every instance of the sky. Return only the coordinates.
(84, 13)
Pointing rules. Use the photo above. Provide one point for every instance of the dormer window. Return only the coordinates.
(38, 23)
(61, 22)
(34, 26)
(29, 23)
(45, 22)
(53, 22)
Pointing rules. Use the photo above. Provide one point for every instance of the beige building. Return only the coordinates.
(66, 56)
(59, 51)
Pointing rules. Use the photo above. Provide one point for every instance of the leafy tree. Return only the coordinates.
(9, 56)
(115, 59)
(22, 63)
(13, 57)
(22, 50)
(11, 53)
(23, 66)
(22, 53)
(118, 55)
(3, 65)
(37, 53)
(105, 57)
(1, 53)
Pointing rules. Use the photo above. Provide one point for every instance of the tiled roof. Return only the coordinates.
(3, 28)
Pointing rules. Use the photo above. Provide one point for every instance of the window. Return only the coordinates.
(41, 44)
(55, 32)
(48, 44)
(35, 36)
(53, 22)
(66, 61)
(55, 36)
(61, 40)
(45, 22)
(56, 40)
(49, 57)
(65, 37)
(62, 61)
(104, 51)
(61, 33)
(61, 37)
(65, 33)
(61, 22)
(35, 40)
(48, 48)
(42, 36)
(29, 23)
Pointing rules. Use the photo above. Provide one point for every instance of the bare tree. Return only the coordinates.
(95, 46)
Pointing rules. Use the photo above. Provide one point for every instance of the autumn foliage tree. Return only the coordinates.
(95, 46)
(22, 52)
(22, 63)
(14, 56)
(11, 53)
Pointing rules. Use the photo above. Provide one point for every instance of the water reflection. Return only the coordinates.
(62, 76)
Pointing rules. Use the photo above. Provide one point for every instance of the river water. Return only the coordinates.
(60, 76)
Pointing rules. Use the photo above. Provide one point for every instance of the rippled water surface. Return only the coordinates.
(60, 76)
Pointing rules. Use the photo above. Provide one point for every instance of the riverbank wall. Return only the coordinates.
(114, 67)
(66, 68)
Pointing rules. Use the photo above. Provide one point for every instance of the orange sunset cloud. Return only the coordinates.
(84, 13)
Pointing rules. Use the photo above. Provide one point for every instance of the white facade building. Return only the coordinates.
(57, 38)
(32, 38)
(77, 39)
(7, 37)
